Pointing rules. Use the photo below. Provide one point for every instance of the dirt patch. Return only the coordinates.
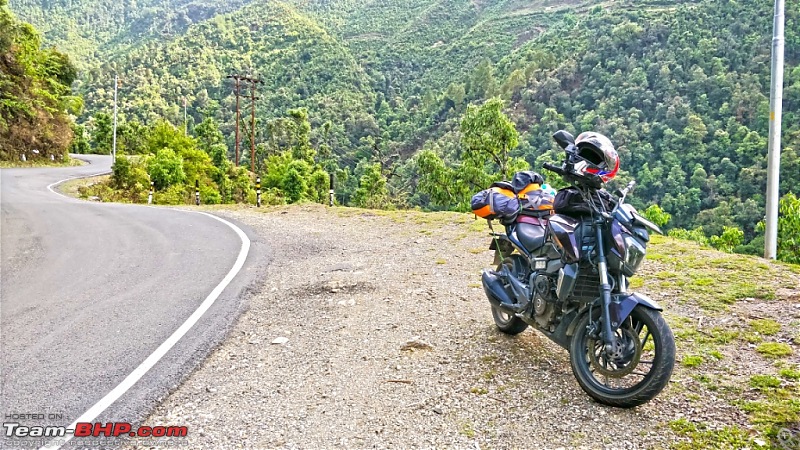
(388, 341)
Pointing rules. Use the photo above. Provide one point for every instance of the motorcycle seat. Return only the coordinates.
(531, 236)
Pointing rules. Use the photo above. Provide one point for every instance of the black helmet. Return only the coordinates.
(599, 153)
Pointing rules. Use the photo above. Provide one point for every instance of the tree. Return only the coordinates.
(789, 229)
(372, 191)
(102, 134)
(166, 169)
(486, 133)
(208, 135)
(658, 216)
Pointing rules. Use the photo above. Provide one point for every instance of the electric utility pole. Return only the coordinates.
(114, 139)
(774, 152)
(253, 82)
(236, 85)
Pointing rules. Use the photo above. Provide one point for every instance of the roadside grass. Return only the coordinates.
(72, 188)
(41, 162)
(724, 350)
(702, 436)
(735, 340)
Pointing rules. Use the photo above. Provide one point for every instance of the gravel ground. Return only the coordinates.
(371, 330)
(389, 342)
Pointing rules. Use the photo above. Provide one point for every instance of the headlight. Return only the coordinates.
(634, 255)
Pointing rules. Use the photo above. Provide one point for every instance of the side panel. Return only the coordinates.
(562, 230)
(567, 276)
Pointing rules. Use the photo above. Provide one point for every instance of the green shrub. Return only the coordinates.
(696, 235)
(166, 169)
(658, 216)
(173, 195)
(121, 173)
(730, 238)
(209, 195)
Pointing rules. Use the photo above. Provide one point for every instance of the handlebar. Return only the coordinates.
(553, 168)
(628, 188)
(573, 178)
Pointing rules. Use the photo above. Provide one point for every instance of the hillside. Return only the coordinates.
(300, 64)
(34, 94)
(93, 30)
(682, 88)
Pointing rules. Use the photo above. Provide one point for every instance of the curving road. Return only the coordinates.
(88, 291)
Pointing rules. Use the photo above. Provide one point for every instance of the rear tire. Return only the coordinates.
(506, 322)
(650, 346)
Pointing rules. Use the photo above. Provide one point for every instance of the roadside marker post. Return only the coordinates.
(330, 201)
(197, 192)
(150, 197)
(258, 192)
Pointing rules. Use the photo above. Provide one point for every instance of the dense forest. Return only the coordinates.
(35, 93)
(381, 93)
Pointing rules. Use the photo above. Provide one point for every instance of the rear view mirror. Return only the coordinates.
(564, 138)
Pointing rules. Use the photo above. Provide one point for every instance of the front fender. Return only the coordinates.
(622, 305)
(619, 309)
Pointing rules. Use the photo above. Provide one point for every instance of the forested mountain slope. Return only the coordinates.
(681, 87)
(91, 30)
(299, 63)
(34, 93)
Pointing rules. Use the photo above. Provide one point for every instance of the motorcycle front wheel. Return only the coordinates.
(637, 371)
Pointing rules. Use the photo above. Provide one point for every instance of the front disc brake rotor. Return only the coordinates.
(623, 359)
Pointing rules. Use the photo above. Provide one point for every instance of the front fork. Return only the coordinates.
(609, 336)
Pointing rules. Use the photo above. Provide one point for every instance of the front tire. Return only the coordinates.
(637, 373)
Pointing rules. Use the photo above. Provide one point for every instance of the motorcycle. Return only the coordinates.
(569, 279)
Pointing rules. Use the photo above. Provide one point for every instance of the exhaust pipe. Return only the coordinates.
(497, 295)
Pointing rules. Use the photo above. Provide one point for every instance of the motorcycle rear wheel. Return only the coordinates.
(622, 382)
(506, 322)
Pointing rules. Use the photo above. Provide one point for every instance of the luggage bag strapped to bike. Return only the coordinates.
(497, 202)
(534, 201)
(537, 203)
(570, 202)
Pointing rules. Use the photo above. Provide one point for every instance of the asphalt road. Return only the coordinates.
(89, 290)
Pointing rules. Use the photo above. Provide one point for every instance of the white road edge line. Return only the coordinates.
(52, 185)
(165, 347)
